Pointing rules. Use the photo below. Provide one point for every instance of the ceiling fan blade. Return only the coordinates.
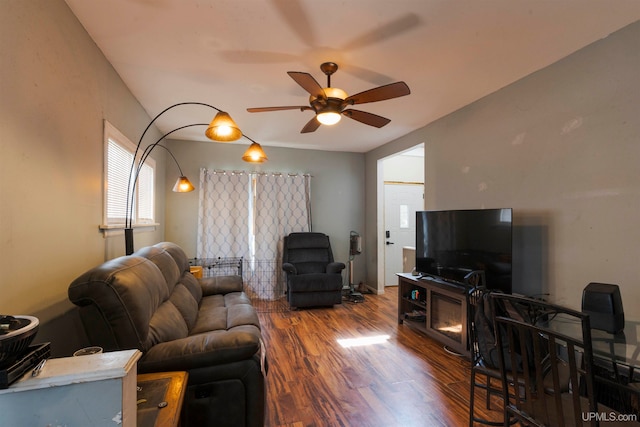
(366, 118)
(386, 31)
(381, 93)
(294, 15)
(311, 125)
(292, 107)
(367, 75)
(308, 83)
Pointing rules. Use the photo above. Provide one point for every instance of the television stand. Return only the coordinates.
(436, 308)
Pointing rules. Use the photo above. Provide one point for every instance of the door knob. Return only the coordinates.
(389, 243)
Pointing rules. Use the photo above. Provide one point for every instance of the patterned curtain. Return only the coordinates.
(248, 215)
(223, 223)
(281, 206)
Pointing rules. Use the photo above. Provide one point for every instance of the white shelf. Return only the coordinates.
(74, 370)
(97, 390)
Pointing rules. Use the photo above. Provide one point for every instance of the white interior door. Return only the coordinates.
(401, 201)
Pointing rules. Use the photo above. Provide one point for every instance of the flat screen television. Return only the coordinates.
(450, 244)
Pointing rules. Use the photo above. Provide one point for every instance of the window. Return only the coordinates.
(118, 158)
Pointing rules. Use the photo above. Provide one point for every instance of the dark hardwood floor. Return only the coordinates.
(407, 380)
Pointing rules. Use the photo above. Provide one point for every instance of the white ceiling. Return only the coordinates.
(235, 54)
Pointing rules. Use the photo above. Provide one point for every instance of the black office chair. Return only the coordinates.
(551, 373)
(313, 277)
(485, 370)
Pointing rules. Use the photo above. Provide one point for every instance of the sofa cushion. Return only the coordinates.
(166, 324)
(183, 287)
(128, 291)
(164, 261)
(242, 314)
(189, 281)
(236, 298)
(221, 284)
(186, 304)
(180, 262)
(225, 312)
(211, 319)
(176, 252)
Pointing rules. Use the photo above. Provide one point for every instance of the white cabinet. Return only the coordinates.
(94, 390)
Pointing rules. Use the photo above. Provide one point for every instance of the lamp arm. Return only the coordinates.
(249, 138)
(150, 148)
(134, 172)
(128, 224)
(133, 177)
(164, 111)
(174, 158)
(143, 158)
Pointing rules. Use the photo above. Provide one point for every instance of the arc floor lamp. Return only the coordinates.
(221, 129)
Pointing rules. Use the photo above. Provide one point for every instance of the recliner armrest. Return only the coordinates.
(202, 350)
(289, 268)
(335, 267)
(220, 285)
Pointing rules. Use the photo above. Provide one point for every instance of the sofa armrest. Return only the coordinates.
(335, 267)
(203, 350)
(220, 285)
(289, 268)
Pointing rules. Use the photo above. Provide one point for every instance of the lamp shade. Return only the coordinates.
(223, 128)
(183, 185)
(255, 154)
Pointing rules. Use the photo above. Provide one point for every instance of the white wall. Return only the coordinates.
(56, 88)
(404, 168)
(561, 147)
(337, 189)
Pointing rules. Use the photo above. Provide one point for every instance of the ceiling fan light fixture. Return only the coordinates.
(328, 117)
(334, 92)
(330, 103)
(223, 128)
(255, 154)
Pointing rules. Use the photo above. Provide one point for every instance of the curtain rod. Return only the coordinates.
(243, 172)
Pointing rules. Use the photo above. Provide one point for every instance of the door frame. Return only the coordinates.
(380, 178)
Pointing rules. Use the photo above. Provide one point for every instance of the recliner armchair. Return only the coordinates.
(313, 277)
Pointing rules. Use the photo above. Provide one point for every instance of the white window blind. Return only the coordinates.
(117, 181)
(118, 158)
(145, 195)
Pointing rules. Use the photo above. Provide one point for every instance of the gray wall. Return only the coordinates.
(561, 147)
(337, 189)
(56, 88)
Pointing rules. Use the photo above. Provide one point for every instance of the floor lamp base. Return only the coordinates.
(128, 240)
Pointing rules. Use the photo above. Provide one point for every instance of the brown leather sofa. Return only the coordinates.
(207, 327)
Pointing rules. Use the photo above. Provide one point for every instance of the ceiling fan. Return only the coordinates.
(331, 103)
